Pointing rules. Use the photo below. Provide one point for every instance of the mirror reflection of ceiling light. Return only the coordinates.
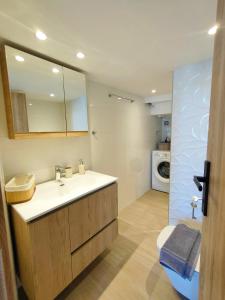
(80, 55)
(213, 30)
(153, 91)
(41, 35)
(55, 70)
(52, 95)
(19, 58)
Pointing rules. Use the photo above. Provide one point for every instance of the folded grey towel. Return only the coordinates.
(180, 251)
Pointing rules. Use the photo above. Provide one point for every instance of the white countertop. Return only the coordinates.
(50, 195)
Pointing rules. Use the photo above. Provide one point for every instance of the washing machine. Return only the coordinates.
(161, 171)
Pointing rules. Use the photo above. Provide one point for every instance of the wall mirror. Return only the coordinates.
(76, 100)
(42, 98)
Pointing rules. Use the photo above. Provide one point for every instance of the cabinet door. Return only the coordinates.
(51, 254)
(79, 223)
(34, 95)
(76, 101)
(91, 214)
(103, 208)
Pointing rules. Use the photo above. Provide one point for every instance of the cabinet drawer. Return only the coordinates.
(92, 213)
(82, 257)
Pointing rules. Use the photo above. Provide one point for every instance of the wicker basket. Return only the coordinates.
(20, 189)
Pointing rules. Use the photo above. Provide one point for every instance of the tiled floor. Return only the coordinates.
(130, 269)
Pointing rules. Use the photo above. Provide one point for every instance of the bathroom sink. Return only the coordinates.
(53, 194)
(80, 180)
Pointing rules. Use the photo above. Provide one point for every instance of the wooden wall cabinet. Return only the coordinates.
(52, 250)
(42, 98)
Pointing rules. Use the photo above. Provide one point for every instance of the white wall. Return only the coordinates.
(161, 108)
(125, 137)
(46, 116)
(160, 104)
(191, 99)
(39, 155)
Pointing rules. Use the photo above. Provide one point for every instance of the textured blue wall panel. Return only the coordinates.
(190, 116)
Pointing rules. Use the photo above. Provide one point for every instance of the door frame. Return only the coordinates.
(212, 266)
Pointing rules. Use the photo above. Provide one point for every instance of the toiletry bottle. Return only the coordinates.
(81, 167)
(57, 176)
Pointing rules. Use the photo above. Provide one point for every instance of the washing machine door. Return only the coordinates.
(162, 170)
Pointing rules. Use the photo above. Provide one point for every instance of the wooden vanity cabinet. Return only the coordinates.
(52, 250)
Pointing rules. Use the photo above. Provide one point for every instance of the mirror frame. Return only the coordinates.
(8, 101)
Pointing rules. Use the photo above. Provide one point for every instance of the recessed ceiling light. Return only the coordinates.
(19, 58)
(213, 30)
(52, 95)
(153, 91)
(55, 70)
(30, 104)
(80, 55)
(119, 98)
(41, 35)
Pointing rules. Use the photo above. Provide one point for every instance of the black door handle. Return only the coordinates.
(197, 180)
(205, 187)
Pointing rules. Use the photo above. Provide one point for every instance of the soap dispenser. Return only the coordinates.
(81, 167)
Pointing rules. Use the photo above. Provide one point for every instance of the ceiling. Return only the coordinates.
(132, 45)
